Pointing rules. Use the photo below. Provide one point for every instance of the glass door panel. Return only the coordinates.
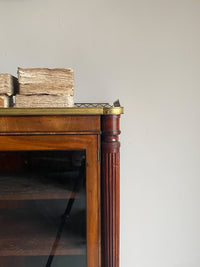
(43, 208)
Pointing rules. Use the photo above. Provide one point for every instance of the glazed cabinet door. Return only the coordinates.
(49, 201)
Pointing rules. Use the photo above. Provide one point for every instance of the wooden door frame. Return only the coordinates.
(88, 142)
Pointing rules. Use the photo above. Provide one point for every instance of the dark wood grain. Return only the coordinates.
(49, 124)
(110, 190)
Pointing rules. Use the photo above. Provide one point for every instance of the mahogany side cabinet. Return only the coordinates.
(59, 186)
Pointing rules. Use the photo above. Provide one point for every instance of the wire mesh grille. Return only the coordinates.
(92, 105)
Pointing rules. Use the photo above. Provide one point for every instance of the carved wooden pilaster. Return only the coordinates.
(110, 190)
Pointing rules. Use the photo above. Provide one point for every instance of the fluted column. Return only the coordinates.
(110, 190)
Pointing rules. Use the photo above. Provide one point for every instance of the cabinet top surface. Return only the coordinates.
(78, 109)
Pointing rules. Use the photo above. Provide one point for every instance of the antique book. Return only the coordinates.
(5, 101)
(8, 84)
(46, 81)
(43, 101)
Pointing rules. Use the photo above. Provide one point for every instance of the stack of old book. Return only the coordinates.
(8, 87)
(42, 87)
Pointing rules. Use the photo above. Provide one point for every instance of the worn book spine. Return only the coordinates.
(6, 101)
(45, 88)
(8, 84)
(43, 101)
(46, 81)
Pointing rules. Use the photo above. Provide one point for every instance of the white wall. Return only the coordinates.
(146, 53)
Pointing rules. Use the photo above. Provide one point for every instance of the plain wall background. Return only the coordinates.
(147, 54)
